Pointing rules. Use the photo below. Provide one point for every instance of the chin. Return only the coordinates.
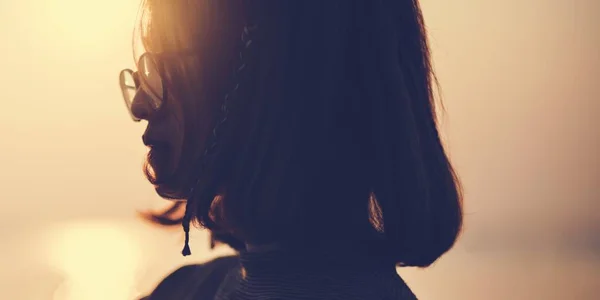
(161, 171)
(159, 165)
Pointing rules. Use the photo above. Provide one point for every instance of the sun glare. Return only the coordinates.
(98, 259)
(85, 22)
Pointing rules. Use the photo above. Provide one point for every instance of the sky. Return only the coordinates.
(519, 83)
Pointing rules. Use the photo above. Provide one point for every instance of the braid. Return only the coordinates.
(186, 229)
(247, 41)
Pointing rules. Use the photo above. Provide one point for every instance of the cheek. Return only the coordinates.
(192, 123)
(177, 135)
(197, 131)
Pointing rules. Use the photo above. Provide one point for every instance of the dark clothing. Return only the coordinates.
(291, 276)
(321, 274)
(195, 282)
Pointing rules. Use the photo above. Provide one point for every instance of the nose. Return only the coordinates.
(140, 105)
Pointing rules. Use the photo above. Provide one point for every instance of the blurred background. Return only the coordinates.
(520, 85)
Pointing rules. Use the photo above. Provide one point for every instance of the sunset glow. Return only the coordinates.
(83, 22)
(519, 82)
(98, 259)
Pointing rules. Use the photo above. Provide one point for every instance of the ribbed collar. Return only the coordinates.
(318, 258)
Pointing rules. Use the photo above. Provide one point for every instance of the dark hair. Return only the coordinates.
(332, 136)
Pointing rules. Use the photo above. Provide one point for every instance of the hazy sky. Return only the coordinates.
(519, 81)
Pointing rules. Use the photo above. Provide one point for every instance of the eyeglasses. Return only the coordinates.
(148, 78)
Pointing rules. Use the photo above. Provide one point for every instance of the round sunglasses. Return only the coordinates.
(147, 79)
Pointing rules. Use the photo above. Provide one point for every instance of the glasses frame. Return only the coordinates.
(158, 96)
(124, 90)
(158, 59)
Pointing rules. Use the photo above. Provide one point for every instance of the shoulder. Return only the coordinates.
(215, 267)
(380, 286)
(194, 280)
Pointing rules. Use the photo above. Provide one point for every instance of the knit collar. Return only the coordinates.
(272, 259)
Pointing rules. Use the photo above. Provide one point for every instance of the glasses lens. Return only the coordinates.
(151, 80)
(128, 88)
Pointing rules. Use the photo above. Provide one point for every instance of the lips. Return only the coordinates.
(158, 159)
(158, 151)
(150, 141)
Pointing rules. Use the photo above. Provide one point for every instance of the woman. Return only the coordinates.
(312, 140)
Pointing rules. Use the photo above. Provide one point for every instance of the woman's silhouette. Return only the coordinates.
(304, 131)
